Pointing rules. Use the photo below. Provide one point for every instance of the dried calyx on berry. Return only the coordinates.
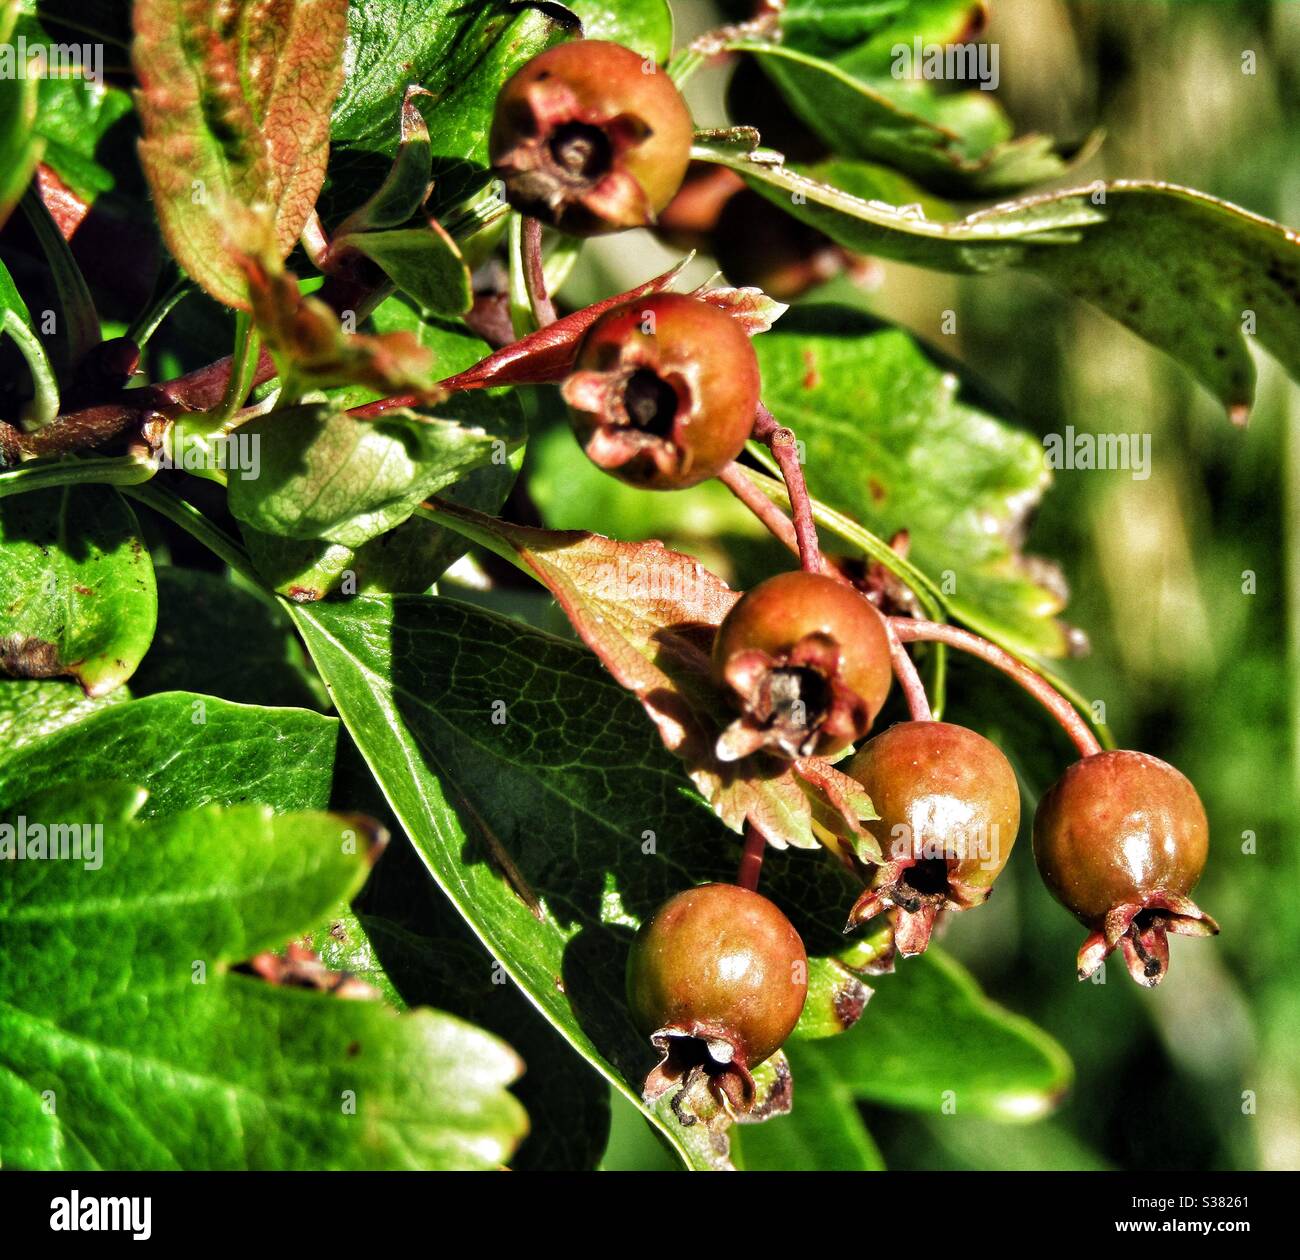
(716, 980)
(949, 811)
(1120, 840)
(805, 658)
(664, 391)
(590, 137)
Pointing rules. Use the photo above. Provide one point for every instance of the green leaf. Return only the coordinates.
(645, 26)
(410, 558)
(553, 831)
(1176, 266)
(234, 102)
(74, 113)
(78, 587)
(866, 34)
(931, 1041)
(424, 263)
(16, 323)
(200, 616)
(20, 146)
(32, 710)
(156, 1057)
(958, 145)
(406, 186)
(460, 53)
(328, 475)
(890, 443)
(185, 750)
(823, 1133)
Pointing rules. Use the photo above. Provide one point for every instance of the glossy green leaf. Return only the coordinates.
(154, 1056)
(889, 442)
(461, 53)
(186, 750)
(406, 186)
(866, 35)
(553, 829)
(412, 944)
(645, 26)
(235, 103)
(77, 593)
(1176, 266)
(823, 1132)
(225, 640)
(32, 710)
(328, 475)
(931, 1041)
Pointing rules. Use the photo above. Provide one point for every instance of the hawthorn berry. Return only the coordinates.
(1120, 840)
(664, 391)
(717, 980)
(949, 811)
(590, 137)
(805, 658)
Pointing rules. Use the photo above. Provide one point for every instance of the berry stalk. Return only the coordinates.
(535, 276)
(918, 703)
(781, 442)
(751, 860)
(910, 630)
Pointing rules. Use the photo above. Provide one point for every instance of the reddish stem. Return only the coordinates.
(909, 630)
(776, 522)
(751, 861)
(781, 442)
(918, 703)
(535, 275)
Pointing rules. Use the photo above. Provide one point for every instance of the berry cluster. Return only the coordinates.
(663, 393)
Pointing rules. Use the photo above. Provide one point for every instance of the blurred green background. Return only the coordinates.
(1186, 584)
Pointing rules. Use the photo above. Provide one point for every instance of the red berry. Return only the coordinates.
(591, 138)
(949, 811)
(805, 659)
(664, 391)
(1120, 840)
(717, 980)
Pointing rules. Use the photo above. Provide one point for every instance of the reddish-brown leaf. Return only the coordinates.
(235, 102)
(650, 615)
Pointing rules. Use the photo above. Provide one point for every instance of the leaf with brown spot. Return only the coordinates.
(650, 615)
(77, 591)
(235, 104)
